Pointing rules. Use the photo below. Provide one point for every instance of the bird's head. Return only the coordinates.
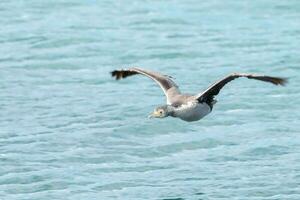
(160, 112)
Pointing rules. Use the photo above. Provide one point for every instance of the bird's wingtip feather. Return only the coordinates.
(283, 81)
(114, 74)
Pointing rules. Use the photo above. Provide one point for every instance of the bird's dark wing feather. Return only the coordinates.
(208, 95)
(168, 86)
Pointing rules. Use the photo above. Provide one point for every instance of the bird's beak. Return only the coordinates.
(153, 115)
(150, 116)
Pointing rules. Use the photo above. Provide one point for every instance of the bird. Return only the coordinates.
(184, 106)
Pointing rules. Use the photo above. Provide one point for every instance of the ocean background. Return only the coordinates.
(69, 131)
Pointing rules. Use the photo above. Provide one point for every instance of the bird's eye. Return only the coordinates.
(160, 112)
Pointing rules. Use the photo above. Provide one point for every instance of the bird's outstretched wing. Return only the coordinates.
(168, 86)
(208, 95)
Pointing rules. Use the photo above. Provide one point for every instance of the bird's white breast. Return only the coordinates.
(192, 111)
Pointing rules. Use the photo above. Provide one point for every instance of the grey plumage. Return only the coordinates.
(168, 86)
(189, 107)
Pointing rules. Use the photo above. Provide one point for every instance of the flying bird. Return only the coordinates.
(188, 107)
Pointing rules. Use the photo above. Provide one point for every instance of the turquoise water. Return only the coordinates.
(69, 131)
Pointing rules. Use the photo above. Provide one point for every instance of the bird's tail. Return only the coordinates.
(214, 101)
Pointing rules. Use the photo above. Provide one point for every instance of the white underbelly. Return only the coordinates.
(193, 111)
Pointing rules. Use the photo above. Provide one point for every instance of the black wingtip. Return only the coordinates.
(115, 74)
(281, 81)
(285, 82)
(123, 73)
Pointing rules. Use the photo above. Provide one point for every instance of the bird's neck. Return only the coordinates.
(171, 111)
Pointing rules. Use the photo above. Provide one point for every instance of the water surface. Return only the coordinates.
(69, 131)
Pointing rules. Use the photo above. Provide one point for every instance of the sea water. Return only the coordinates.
(69, 131)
